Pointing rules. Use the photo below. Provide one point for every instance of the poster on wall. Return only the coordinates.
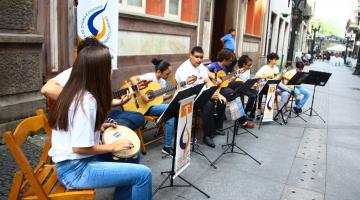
(269, 104)
(99, 19)
(182, 156)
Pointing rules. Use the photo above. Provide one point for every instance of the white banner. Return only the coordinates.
(99, 18)
(182, 156)
(269, 104)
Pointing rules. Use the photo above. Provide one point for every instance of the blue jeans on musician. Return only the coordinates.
(131, 181)
(299, 89)
(169, 125)
(132, 120)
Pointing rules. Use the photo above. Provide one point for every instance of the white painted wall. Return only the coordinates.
(279, 41)
(136, 43)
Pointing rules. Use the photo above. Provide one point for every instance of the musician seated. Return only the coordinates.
(271, 71)
(54, 86)
(299, 90)
(194, 67)
(77, 120)
(245, 64)
(162, 72)
(224, 64)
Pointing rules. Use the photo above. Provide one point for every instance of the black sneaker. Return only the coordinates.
(209, 141)
(167, 150)
(220, 132)
(297, 110)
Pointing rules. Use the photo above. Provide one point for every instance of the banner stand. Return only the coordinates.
(182, 103)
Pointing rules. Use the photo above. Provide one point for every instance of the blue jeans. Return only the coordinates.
(299, 89)
(169, 125)
(131, 181)
(284, 92)
(132, 120)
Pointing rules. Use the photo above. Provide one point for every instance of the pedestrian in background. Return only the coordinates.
(228, 40)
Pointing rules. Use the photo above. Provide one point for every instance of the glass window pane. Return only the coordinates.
(137, 3)
(174, 7)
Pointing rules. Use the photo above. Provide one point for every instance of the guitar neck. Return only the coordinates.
(167, 89)
(124, 91)
(163, 90)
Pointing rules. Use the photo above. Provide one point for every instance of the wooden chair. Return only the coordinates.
(140, 131)
(42, 182)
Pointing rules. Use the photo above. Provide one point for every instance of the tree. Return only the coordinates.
(327, 28)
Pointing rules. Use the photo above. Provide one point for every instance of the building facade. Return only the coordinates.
(38, 40)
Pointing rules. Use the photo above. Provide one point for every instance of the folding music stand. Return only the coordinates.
(247, 86)
(230, 146)
(316, 78)
(172, 111)
(298, 79)
(264, 92)
(201, 99)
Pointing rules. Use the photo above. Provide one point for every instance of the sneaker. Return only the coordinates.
(248, 124)
(297, 110)
(209, 141)
(220, 132)
(167, 150)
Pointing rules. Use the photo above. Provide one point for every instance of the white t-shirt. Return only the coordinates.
(80, 131)
(267, 70)
(187, 69)
(63, 77)
(152, 77)
(245, 76)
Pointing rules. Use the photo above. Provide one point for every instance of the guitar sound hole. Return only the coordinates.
(150, 94)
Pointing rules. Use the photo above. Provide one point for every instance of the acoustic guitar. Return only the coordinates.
(141, 85)
(155, 94)
(225, 77)
(131, 88)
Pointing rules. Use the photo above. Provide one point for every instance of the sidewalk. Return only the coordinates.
(312, 160)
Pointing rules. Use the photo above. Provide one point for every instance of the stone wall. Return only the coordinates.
(21, 62)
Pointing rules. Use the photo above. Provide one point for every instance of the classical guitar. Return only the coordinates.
(133, 88)
(225, 77)
(155, 94)
(141, 85)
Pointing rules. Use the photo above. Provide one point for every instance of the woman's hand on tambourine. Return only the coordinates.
(121, 144)
(104, 126)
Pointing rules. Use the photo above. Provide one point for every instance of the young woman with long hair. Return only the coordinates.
(77, 120)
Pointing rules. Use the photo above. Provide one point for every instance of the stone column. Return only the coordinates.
(21, 62)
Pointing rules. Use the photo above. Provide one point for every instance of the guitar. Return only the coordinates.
(141, 85)
(155, 94)
(225, 77)
(133, 88)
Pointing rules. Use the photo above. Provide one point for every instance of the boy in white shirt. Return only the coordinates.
(194, 67)
(271, 71)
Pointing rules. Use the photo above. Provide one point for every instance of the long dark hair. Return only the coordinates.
(243, 60)
(160, 65)
(91, 72)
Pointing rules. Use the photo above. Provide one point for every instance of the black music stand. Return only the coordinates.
(172, 111)
(247, 86)
(201, 99)
(230, 146)
(316, 78)
(264, 92)
(298, 79)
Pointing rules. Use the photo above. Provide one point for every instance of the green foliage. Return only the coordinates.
(327, 28)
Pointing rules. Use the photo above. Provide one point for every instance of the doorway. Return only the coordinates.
(223, 19)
